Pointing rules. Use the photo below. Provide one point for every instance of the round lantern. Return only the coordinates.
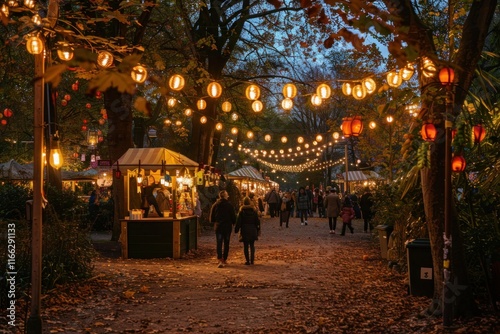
(252, 92)
(287, 104)
(458, 163)
(105, 59)
(335, 135)
(319, 138)
(188, 112)
(218, 126)
(7, 112)
(300, 139)
(214, 89)
(250, 135)
(65, 52)
(289, 91)
(226, 106)
(428, 132)
(347, 88)
(171, 102)
(203, 119)
(428, 68)
(324, 91)
(356, 126)
(372, 125)
(394, 79)
(316, 100)
(446, 76)
(407, 72)
(201, 104)
(369, 85)
(284, 139)
(257, 106)
(234, 116)
(479, 133)
(359, 92)
(139, 74)
(34, 45)
(267, 137)
(234, 131)
(176, 82)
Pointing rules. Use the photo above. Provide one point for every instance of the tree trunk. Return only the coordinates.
(119, 110)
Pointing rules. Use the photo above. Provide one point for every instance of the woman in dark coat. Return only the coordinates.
(248, 222)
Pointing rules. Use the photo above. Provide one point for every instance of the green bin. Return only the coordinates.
(420, 268)
(384, 231)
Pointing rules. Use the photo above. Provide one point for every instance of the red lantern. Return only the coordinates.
(346, 127)
(88, 106)
(446, 76)
(3, 121)
(428, 132)
(458, 163)
(453, 133)
(67, 97)
(7, 112)
(356, 126)
(75, 86)
(64, 103)
(98, 94)
(84, 128)
(478, 130)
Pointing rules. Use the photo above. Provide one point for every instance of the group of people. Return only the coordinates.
(246, 221)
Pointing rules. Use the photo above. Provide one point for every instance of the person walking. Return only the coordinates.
(272, 198)
(355, 205)
(223, 216)
(310, 201)
(366, 203)
(286, 208)
(333, 205)
(321, 204)
(248, 225)
(303, 205)
(348, 215)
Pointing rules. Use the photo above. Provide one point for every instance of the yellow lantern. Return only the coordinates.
(335, 135)
(234, 116)
(287, 104)
(218, 126)
(267, 137)
(257, 106)
(319, 138)
(139, 74)
(284, 139)
(203, 119)
(105, 59)
(201, 104)
(324, 91)
(407, 72)
(369, 85)
(34, 45)
(252, 92)
(316, 100)
(289, 91)
(359, 92)
(300, 139)
(178, 123)
(226, 106)
(234, 131)
(347, 88)
(428, 68)
(188, 112)
(176, 82)
(171, 102)
(372, 125)
(250, 135)
(394, 79)
(214, 89)
(65, 52)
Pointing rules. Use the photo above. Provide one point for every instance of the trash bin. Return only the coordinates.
(383, 234)
(420, 268)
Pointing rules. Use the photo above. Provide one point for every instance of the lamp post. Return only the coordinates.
(446, 76)
(389, 120)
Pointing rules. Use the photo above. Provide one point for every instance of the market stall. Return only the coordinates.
(166, 226)
(249, 179)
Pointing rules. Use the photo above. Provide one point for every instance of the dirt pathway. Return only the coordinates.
(304, 280)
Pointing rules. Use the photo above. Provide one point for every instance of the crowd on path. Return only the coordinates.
(304, 203)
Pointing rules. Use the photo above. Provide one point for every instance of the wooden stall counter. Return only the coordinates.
(150, 238)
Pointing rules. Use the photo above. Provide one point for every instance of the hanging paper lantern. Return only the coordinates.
(284, 139)
(234, 131)
(267, 137)
(369, 85)
(171, 102)
(34, 45)
(176, 82)
(407, 72)
(218, 126)
(214, 89)
(203, 119)
(458, 163)
(188, 112)
(359, 92)
(7, 112)
(479, 132)
(252, 92)
(201, 104)
(289, 91)
(226, 106)
(324, 91)
(234, 116)
(356, 126)
(428, 132)
(316, 100)
(65, 52)
(105, 59)
(347, 88)
(139, 74)
(250, 135)
(319, 138)
(394, 79)
(257, 106)
(300, 139)
(428, 68)
(287, 104)
(446, 76)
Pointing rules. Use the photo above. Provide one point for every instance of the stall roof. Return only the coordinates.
(358, 175)
(151, 158)
(13, 170)
(246, 172)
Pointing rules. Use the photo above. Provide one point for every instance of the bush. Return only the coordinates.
(13, 203)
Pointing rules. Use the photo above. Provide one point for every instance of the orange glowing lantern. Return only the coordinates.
(479, 133)
(458, 163)
(428, 132)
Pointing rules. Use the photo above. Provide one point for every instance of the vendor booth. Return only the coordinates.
(158, 201)
(249, 179)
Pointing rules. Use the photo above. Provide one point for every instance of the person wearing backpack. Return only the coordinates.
(248, 225)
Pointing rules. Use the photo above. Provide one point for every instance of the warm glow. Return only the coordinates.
(407, 72)
(234, 131)
(56, 158)
(479, 133)
(300, 139)
(171, 102)
(356, 126)
(347, 88)
(203, 119)
(316, 100)
(105, 59)
(284, 139)
(65, 52)
(34, 45)
(369, 85)
(250, 135)
(335, 135)
(201, 104)
(458, 163)
(188, 112)
(226, 106)
(359, 92)
(214, 90)
(5, 10)
(139, 74)
(324, 91)
(319, 138)
(394, 79)
(218, 126)
(372, 125)
(446, 76)
(252, 92)
(267, 137)
(257, 106)
(289, 91)
(287, 104)
(428, 132)
(234, 116)
(389, 119)
(176, 82)
(428, 68)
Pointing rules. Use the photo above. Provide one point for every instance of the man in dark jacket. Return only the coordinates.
(223, 216)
